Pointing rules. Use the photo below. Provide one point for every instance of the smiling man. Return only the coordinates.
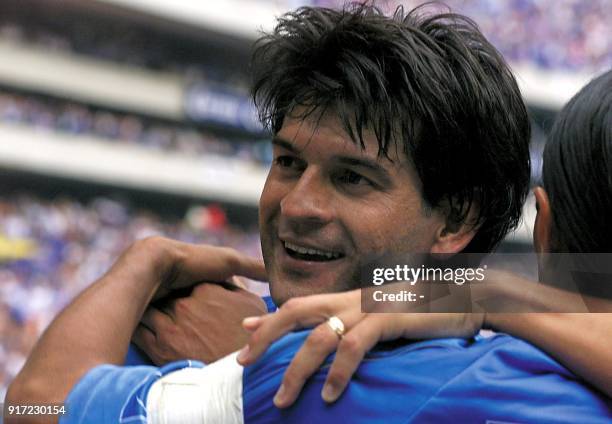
(403, 134)
(328, 204)
(391, 135)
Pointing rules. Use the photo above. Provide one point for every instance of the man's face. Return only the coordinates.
(328, 205)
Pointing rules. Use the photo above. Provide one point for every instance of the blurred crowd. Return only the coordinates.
(77, 119)
(551, 34)
(572, 35)
(50, 250)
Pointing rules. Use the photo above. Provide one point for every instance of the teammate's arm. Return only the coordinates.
(97, 326)
(579, 341)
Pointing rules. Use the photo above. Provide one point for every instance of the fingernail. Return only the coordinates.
(329, 393)
(251, 321)
(243, 354)
(280, 396)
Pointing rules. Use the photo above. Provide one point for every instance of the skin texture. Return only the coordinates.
(203, 325)
(325, 192)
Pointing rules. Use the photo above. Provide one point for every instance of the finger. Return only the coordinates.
(216, 264)
(252, 268)
(301, 312)
(351, 351)
(145, 339)
(251, 324)
(295, 313)
(318, 345)
(155, 320)
(238, 282)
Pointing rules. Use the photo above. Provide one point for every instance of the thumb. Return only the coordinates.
(250, 267)
(214, 264)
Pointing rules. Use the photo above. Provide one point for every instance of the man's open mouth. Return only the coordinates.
(309, 254)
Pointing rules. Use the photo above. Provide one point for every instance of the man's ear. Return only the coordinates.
(543, 221)
(452, 237)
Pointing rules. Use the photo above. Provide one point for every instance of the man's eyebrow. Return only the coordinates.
(369, 164)
(360, 162)
(277, 141)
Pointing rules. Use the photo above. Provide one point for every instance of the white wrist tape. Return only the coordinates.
(209, 395)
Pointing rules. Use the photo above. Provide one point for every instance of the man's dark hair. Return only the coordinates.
(429, 83)
(577, 172)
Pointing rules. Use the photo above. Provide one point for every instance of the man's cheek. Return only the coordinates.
(371, 241)
(274, 190)
(269, 201)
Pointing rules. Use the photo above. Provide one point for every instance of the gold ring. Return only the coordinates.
(336, 325)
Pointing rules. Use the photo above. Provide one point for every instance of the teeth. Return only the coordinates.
(309, 251)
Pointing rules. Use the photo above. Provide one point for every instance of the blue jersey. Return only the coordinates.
(485, 380)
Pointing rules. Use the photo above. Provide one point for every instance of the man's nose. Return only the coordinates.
(309, 200)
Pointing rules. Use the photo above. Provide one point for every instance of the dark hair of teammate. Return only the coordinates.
(577, 172)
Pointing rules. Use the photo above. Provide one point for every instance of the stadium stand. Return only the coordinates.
(45, 113)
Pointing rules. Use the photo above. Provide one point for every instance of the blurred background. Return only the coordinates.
(121, 119)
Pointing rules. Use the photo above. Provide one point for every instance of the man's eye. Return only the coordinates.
(353, 178)
(285, 161)
(288, 163)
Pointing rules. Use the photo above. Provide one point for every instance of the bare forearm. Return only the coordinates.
(94, 329)
(581, 342)
(97, 327)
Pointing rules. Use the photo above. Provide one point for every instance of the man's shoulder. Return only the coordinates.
(501, 357)
(479, 378)
(512, 352)
(512, 380)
